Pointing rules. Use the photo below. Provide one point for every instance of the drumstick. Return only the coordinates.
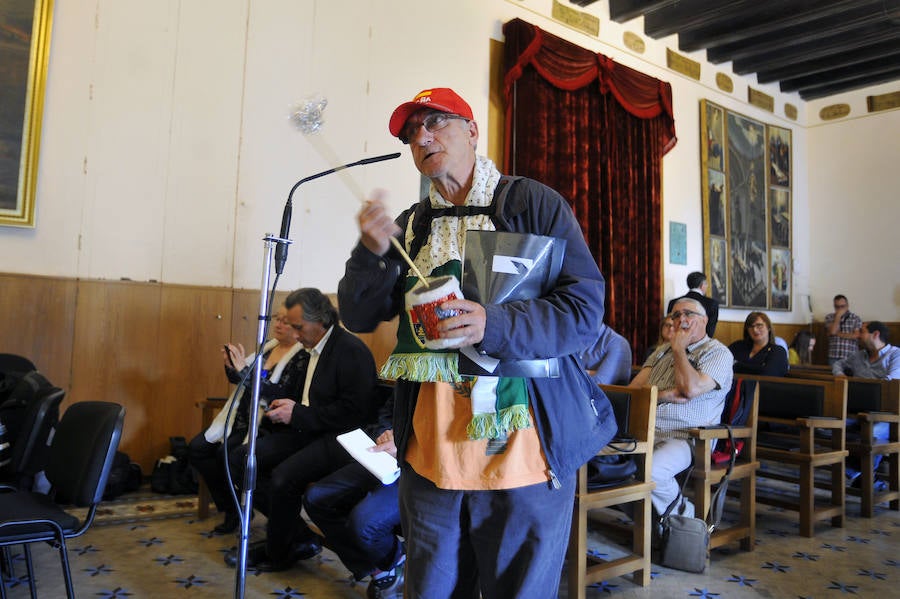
(406, 257)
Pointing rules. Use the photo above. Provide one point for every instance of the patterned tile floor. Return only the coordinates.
(177, 557)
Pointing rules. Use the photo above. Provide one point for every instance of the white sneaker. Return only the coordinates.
(387, 587)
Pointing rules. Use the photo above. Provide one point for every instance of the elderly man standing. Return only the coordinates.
(693, 374)
(484, 509)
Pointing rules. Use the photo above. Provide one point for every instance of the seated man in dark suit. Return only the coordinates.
(297, 443)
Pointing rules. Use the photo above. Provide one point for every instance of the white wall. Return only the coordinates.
(167, 152)
(854, 221)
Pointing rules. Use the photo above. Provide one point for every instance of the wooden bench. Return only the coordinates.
(870, 402)
(793, 414)
(584, 568)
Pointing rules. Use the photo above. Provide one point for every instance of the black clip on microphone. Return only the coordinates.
(281, 250)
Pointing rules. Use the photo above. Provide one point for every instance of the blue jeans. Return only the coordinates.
(880, 433)
(358, 516)
(505, 543)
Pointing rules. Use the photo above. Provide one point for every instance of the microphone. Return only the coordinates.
(282, 248)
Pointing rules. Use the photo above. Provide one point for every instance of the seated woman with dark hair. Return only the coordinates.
(757, 352)
(802, 348)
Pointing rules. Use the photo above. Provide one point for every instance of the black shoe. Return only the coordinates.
(300, 551)
(229, 525)
(307, 549)
(256, 553)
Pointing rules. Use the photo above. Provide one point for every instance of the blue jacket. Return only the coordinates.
(574, 419)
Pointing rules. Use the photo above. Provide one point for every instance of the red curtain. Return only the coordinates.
(595, 131)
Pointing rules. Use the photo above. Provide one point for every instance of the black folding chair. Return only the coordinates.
(81, 455)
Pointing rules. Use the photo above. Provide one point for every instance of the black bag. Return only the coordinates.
(124, 476)
(611, 470)
(173, 474)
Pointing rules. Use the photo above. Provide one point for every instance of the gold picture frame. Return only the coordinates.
(746, 176)
(25, 27)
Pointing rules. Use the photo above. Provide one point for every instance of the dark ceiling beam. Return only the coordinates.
(767, 57)
(823, 65)
(870, 70)
(809, 15)
(795, 37)
(691, 14)
(829, 89)
(621, 11)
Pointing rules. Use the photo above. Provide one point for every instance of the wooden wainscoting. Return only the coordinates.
(37, 320)
(152, 347)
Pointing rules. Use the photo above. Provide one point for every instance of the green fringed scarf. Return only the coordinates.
(499, 404)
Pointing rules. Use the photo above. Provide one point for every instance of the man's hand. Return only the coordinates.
(281, 410)
(376, 226)
(468, 327)
(686, 330)
(385, 442)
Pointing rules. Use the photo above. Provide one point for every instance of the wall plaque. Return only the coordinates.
(682, 64)
(724, 82)
(575, 19)
(790, 111)
(883, 101)
(834, 111)
(760, 99)
(634, 42)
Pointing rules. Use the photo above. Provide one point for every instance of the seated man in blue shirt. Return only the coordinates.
(877, 359)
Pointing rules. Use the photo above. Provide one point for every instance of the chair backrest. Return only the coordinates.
(30, 447)
(15, 363)
(621, 407)
(788, 398)
(791, 400)
(82, 451)
(864, 395)
(740, 403)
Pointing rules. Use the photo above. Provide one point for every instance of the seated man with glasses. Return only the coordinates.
(297, 439)
(693, 374)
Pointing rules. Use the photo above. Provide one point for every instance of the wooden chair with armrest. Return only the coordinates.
(583, 568)
(708, 474)
(210, 407)
(871, 402)
(801, 425)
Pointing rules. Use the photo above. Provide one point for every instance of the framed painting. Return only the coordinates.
(25, 27)
(779, 148)
(746, 187)
(780, 279)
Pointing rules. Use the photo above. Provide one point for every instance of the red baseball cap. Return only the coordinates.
(438, 98)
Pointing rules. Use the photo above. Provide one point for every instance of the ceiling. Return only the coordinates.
(816, 48)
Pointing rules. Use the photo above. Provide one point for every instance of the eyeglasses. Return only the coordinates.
(280, 319)
(433, 122)
(758, 325)
(684, 314)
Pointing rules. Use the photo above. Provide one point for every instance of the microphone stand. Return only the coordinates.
(269, 240)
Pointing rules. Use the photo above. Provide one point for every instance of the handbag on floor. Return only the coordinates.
(685, 539)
